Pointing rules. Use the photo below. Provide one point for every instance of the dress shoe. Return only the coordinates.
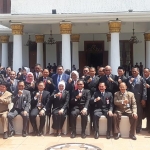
(24, 134)
(107, 135)
(83, 135)
(132, 137)
(59, 134)
(5, 135)
(96, 135)
(117, 136)
(35, 133)
(40, 133)
(138, 131)
(73, 134)
(12, 133)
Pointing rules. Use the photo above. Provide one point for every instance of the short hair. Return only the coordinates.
(92, 68)
(147, 69)
(80, 80)
(68, 71)
(21, 81)
(122, 68)
(86, 67)
(60, 66)
(40, 82)
(4, 84)
(101, 83)
(135, 68)
(8, 67)
(123, 83)
(37, 65)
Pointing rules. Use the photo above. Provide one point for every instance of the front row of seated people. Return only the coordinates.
(42, 104)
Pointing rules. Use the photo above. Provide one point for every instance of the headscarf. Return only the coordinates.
(76, 73)
(29, 80)
(62, 83)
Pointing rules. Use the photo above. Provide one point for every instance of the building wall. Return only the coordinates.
(77, 6)
(0, 52)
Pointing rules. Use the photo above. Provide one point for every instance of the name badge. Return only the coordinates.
(107, 101)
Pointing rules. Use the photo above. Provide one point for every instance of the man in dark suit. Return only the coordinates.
(110, 80)
(37, 74)
(103, 105)
(121, 77)
(147, 78)
(60, 76)
(38, 107)
(80, 103)
(85, 72)
(23, 75)
(137, 85)
(21, 100)
(101, 72)
(12, 82)
(91, 81)
(49, 85)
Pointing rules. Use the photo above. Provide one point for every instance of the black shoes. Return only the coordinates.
(12, 133)
(138, 131)
(24, 134)
(83, 135)
(117, 136)
(107, 135)
(35, 133)
(96, 135)
(73, 134)
(5, 135)
(40, 133)
(132, 137)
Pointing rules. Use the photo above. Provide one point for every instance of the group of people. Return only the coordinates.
(61, 94)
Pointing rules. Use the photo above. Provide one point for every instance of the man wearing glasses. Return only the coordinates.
(80, 103)
(137, 85)
(85, 72)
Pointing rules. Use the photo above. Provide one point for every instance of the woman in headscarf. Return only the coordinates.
(59, 102)
(30, 83)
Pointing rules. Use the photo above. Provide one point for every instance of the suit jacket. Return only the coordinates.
(110, 86)
(22, 78)
(123, 78)
(83, 101)
(35, 78)
(10, 89)
(25, 100)
(93, 85)
(57, 102)
(65, 78)
(105, 103)
(138, 88)
(148, 90)
(118, 97)
(44, 100)
(48, 87)
(5, 99)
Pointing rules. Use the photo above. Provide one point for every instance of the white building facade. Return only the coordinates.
(93, 32)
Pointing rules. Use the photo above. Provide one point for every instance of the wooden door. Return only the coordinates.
(82, 60)
(105, 58)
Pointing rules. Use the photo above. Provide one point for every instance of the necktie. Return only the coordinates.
(44, 80)
(59, 78)
(75, 85)
(60, 95)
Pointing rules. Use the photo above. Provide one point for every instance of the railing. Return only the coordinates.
(5, 6)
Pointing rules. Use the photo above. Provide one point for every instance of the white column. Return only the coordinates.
(39, 41)
(17, 31)
(75, 49)
(114, 28)
(147, 39)
(4, 55)
(65, 29)
(109, 46)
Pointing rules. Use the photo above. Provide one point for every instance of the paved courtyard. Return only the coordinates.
(41, 143)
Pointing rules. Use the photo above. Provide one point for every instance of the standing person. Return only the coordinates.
(12, 82)
(49, 85)
(85, 72)
(51, 73)
(49, 66)
(23, 75)
(103, 105)
(54, 67)
(125, 105)
(59, 76)
(101, 72)
(141, 69)
(121, 76)
(38, 107)
(130, 69)
(37, 74)
(59, 101)
(21, 100)
(110, 80)
(7, 74)
(147, 78)
(137, 85)
(5, 100)
(80, 103)
(19, 73)
(73, 67)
